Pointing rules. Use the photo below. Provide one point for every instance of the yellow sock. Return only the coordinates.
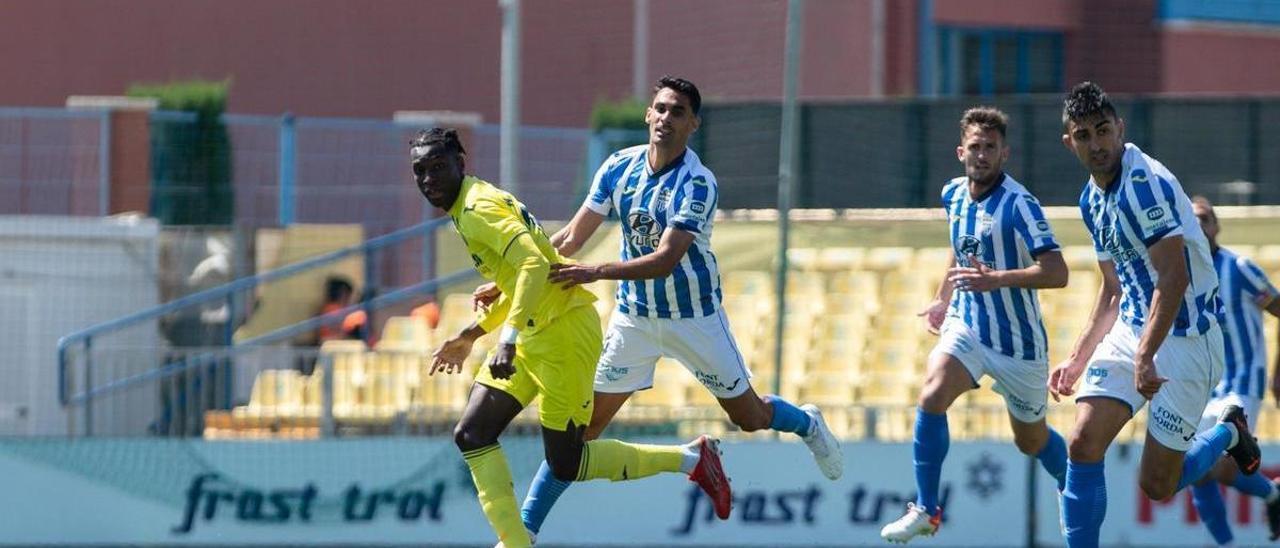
(620, 461)
(492, 476)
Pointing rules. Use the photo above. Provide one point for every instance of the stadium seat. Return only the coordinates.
(1080, 257)
(802, 258)
(405, 333)
(888, 258)
(1268, 257)
(933, 259)
(841, 259)
(751, 283)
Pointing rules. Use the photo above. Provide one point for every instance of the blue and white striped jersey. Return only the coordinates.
(1142, 206)
(1006, 230)
(683, 195)
(1245, 291)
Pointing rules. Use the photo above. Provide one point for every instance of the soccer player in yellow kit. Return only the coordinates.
(549, 343)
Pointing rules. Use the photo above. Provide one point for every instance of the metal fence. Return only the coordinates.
(899, 153)
(54, 161)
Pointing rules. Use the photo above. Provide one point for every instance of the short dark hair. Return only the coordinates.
(683, 87)
(1084, 100)
(335, 286)
(986, 118)
(1201, 200)
(439, 136)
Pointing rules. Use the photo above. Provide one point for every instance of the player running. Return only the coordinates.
(988, 314)
(1153, 333)
(1245, 293)
(549, 344)
(669, 295)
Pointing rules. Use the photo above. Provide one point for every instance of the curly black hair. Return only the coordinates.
(683, 87)
(439, 136)
(1084, 100)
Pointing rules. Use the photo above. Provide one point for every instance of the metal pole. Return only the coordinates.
(877, 47)
(104, 164)
(640, 50)
(288, 164)
(88, 387)
(787, 157)
(327, 425)
(509, 138)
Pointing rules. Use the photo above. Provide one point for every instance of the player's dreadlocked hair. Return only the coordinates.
(986, 118)
(683, 87)
(438, 136)
(1084, 100)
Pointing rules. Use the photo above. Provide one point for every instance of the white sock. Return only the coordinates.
(689, 459)
(1235, 434)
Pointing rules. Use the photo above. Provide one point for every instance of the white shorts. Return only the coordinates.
(633, 345)
(1250, 404)
(1022, 383)
(1193, 366)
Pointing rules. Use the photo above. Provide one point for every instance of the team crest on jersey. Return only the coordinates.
(664, 198)
(1110, 241)
(645, 231)
(985, 223)
(968, 245)
(1042, 226)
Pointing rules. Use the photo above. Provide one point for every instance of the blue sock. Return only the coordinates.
(787, 417)
(1205, 450)
(932, 439)
(544, 491)
(1257, 485)
(1084, 503)
(1053, 457)
(1213, 511)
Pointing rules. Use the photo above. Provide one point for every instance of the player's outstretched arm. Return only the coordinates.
(671, 249)
(1048, 272)
(1106, 308)
(570, 239)
(936, 311)
(1275, 369)
(1171, 268)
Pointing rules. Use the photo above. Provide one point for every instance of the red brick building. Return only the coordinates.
(368, 59)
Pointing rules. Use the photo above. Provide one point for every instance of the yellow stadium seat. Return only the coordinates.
(752, 283)
(406, 333)
(805, 283)
(933, 259)
(888, 258)
(1268, 257)
(857, 282)
(1080, 257)
(802, 258)
(826, 387)
(841, 258)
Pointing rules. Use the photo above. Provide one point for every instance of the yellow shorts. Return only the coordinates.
(559, 362)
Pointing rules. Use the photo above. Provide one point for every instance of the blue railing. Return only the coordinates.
(228, 292)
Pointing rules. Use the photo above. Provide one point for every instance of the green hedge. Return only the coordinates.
(190, 162)
(624, 114)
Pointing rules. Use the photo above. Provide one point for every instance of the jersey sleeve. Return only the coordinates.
(500, 227)
(492, 224)
(1032, 226)
(695, 204)
(600, 198)
(1254, 282)
(489, 320)
(1098, 249)
(1151, 206)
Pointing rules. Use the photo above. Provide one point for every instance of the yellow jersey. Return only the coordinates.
(509, 247)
